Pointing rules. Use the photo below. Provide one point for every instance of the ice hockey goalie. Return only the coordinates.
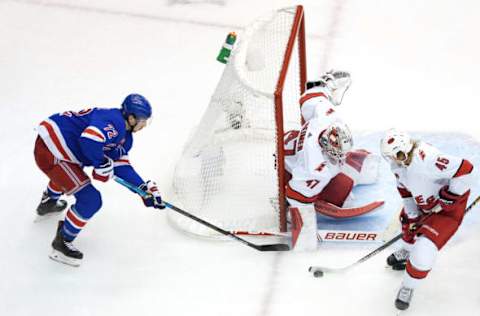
(321, 166)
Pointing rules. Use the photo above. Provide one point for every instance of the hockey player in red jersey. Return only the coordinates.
(96, 137)
(434, 188)
(320, 163)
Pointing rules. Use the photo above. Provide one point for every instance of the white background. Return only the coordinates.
(414, 66)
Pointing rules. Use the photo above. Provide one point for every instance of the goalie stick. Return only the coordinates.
(318, 271)
(268, 247)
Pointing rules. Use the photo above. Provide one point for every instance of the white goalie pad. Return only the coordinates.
(370, 170)
(364, 172)
(304, 228)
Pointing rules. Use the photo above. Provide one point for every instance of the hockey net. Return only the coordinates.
(231, 170)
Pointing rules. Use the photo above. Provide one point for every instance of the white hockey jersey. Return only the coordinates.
(315, 103)
(310, 168)
(430, 170)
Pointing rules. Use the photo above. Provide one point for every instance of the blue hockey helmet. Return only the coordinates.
(136, 105)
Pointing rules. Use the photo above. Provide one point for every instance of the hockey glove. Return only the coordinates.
(153, 199)
(104, 172)
(409, 226)
(449, 201)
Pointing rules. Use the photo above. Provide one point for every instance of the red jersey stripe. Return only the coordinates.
(465, 168)
(94, 133)
(310, 96)
(414, 272)
(404, 193)
(74, 219)
(55, 140)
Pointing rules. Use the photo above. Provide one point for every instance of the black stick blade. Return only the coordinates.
(273, 247)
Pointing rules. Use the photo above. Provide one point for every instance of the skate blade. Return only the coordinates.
(387, 267)
(41, 218)
(60, 257)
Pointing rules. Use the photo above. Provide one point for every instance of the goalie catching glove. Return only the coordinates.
(335, 83)
(153, 199)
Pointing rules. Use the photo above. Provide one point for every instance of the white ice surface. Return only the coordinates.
(414, 66)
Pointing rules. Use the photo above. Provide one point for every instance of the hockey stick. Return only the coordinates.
(260, 233)
(319, 271)
(268, 247)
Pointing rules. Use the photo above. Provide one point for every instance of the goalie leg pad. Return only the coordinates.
(337, 190)
(362, 166)
(331, 210)
(304, 228)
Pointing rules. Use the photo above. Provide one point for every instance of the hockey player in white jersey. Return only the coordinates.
(434, 188)
(319, 160)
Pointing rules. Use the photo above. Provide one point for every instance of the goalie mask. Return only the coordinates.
(336, 141)
(396, 146)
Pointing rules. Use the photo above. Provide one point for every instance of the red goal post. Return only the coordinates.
(297, 34)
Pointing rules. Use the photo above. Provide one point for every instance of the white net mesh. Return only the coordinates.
(227, 173)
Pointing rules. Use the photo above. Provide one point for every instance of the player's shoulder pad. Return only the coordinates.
(424, 153)
(106, 126)
(424, 156)
(396, 169)
(436, 162)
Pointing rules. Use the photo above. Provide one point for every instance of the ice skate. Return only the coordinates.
(404, 297)
(64, 251)
(49, 207)
(398, 259)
